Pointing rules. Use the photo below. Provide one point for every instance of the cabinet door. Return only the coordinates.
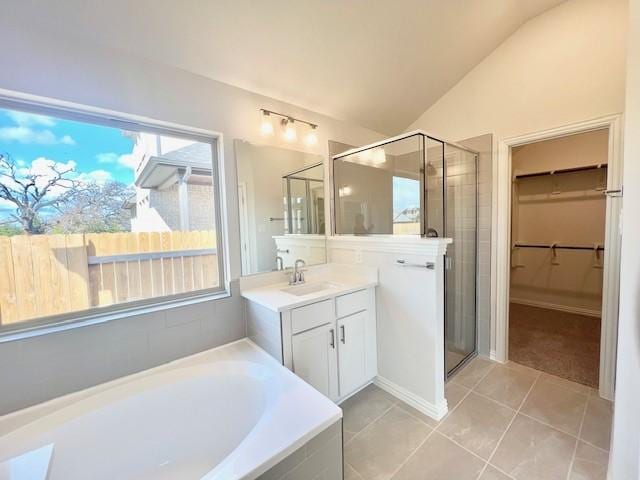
(352, 352)
(315, 359)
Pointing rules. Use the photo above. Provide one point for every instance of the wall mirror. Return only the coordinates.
(281, 206)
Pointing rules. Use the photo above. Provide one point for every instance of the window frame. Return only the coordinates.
(108, 118)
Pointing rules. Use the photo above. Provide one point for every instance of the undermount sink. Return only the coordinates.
(307, 288)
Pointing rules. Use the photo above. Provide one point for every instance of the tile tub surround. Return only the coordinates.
(557, 430)
(39, 368)
(320, 458)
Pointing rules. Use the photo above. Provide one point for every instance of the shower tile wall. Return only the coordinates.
(483, 144)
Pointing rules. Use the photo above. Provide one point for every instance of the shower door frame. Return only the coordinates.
(474, 353)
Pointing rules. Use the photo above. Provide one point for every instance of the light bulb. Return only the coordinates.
(266, 127)
(311, 138)
(378, 156)
(290, 134)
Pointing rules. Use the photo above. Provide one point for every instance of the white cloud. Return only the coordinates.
(67, 140)
(29, 119)
(98, 176)
(24, 134)
(25, 130)
(127, 160)
(107, 157)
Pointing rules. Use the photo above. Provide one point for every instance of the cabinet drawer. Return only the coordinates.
(351, 303)
(310, 316)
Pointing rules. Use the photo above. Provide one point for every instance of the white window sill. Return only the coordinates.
(115, 312)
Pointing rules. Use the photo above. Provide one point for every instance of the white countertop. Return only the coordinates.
(343, 280)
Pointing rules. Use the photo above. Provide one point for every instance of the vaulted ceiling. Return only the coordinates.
(379, 63)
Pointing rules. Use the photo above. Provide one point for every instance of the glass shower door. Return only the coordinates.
(460, 171)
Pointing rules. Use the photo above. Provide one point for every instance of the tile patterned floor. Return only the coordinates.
(504, 422)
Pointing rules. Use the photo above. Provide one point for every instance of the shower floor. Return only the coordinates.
(559, 343)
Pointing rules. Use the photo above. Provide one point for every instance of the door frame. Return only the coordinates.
(502, 245)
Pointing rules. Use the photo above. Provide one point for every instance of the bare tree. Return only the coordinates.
(95, 208)
(32, 193)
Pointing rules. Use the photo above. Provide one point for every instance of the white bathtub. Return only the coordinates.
(228, 413)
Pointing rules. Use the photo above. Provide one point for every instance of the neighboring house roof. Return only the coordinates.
(408, 215)
(165, 170)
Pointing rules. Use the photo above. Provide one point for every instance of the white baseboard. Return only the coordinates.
(437, 412)
(553, 306)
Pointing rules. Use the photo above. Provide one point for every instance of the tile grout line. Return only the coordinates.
(575, 447)
(435, 427)
(515, 415)
(372, 422)
(354, 470)
(493, 400)
(406, 460)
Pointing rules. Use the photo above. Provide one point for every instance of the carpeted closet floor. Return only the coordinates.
(560, 343)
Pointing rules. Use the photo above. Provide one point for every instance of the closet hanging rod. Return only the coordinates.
(560, 170)
(558, 246)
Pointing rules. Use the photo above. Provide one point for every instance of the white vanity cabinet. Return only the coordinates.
(315, 359)
(331, 343)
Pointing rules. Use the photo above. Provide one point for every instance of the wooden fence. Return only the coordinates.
(44, 275)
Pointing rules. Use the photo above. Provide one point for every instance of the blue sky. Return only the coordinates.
(406, 194)
(99, 153)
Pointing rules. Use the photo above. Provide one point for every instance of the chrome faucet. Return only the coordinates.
(297, 277)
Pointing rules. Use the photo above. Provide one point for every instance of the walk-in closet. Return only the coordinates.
(558, 220)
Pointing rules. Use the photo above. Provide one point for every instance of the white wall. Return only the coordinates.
(625, 454)
(47, 63)
(564, 66)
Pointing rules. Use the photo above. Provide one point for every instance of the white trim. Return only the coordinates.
(554, 306)
(501, 214)
(403, 244)
(109, 315)
(437, 412)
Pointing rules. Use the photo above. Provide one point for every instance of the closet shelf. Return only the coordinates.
(560, 170)
(563, 246)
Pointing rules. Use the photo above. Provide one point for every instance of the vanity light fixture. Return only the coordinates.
(266, 127)
(290, 134)
(311, 138)
(289, 129)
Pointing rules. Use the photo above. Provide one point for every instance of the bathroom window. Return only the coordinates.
(98, 215)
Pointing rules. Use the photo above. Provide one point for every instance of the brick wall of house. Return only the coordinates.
(201, 211)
